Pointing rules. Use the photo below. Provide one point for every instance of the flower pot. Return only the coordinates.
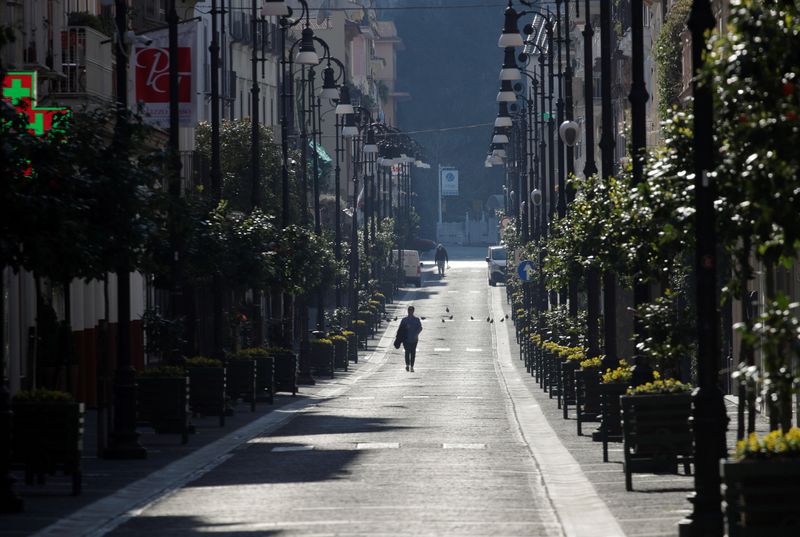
(587, 396)
(265, 379)
(352, 348)
(207, 391)
(163, 404)
(48, 437)
(568, 396)
(340, 359)
(657, 434)
(322, 359)
(760, 497)
(241, 381)
(610, 429)
(285, 372)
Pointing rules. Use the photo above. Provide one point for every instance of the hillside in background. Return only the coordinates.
(450, 67)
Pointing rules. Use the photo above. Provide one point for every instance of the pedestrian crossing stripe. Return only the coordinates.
(441, 349)
(378, 445)
(463, 446)
(470, 349)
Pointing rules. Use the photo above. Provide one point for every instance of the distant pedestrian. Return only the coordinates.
(408, 335)
(441, 258)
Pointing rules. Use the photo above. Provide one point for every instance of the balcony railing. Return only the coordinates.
(86, 64)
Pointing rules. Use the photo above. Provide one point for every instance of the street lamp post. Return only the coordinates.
(590, 169)
(709, 415)
(123, 439)
(607, 152)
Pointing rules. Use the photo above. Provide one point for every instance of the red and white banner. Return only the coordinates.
(152, 77)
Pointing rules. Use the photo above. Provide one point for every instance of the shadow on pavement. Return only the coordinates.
(188, 525)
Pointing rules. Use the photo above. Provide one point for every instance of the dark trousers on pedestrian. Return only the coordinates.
(411, 353)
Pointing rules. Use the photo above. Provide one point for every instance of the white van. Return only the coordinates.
(411, 264)
(496, 263)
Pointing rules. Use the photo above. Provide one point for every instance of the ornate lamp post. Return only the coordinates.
(710, 418)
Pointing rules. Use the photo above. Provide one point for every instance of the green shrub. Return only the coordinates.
(321, 342)
(248, 354)
(202, 361)
(164, 371)
(43, 396)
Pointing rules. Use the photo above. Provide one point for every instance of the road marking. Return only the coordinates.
(378, 445)
(469, 397)
(365, 398)
(562, 477)
(463, 446)
(416, 396)
(470, 349)
(441, 349)
(286, 449)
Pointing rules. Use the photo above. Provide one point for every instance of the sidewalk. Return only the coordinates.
(49, 503)
(657, 502)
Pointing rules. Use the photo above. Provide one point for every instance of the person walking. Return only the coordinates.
(441, 258)
(408, 335)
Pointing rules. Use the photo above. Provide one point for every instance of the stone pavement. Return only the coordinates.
(466, 445)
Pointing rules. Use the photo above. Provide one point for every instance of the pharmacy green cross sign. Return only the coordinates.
(19, 90)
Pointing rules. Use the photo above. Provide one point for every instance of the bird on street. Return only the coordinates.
(487, 319)
(501, 319)
(470, 318)
(506, 315)
(442, 320)
(447, 309)
(451, 317)
(492, 321)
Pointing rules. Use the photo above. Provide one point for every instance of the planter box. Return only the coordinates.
(207, 394)
(322, 359)
(568, 396)
(163, 404)
(46, 438)
(760, 497)
(362, 332)
(657, 434)
(285, 372)
(587, 397)
(352, 348)
(265, 379)
(610, 429)
(241, 381)
(340, 358)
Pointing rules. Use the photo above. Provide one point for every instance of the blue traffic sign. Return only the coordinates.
(526, 270)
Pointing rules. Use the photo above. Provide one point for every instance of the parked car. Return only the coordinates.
(496, 261)
(411, 266)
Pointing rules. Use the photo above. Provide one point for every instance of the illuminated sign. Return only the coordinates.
(19, 90)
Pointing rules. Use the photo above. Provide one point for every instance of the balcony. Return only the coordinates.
(86, 65)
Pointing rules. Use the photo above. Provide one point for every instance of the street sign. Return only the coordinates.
(449, 181)
(526, 271)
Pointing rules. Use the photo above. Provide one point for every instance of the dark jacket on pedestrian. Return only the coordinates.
(441, 255)
(409, 330)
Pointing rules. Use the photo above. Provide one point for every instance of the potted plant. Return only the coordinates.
(656, 428)
(352, 345)
(362, 331)
(241, 379)
(265, 372)
(207, 387)
(613, 384)
(760, 487)
(571, 363)
(340, 358)
(47, 435)
(366, 316)
(162, 400)
(285, 369)
(379, 299)
(587, 394)
(322, 355)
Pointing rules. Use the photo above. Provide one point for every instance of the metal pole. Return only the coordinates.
(123, 439)
(256, 130)
(175, 172)
(590, 169)
(638, 98)
(337, 247)
(709, 415)
(607, 151)
(216, 181)
(562, 199)
(284, 23)
(569, 189)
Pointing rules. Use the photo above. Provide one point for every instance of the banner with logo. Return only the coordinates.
(152, 77)
(449, 180)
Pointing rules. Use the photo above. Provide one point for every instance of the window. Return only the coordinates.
(499, 254)
(646, 16)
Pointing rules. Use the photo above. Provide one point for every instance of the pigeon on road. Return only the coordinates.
(447, 310)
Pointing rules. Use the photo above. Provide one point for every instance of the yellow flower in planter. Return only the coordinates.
(597, 361)
(621, 375)
(774, 444)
